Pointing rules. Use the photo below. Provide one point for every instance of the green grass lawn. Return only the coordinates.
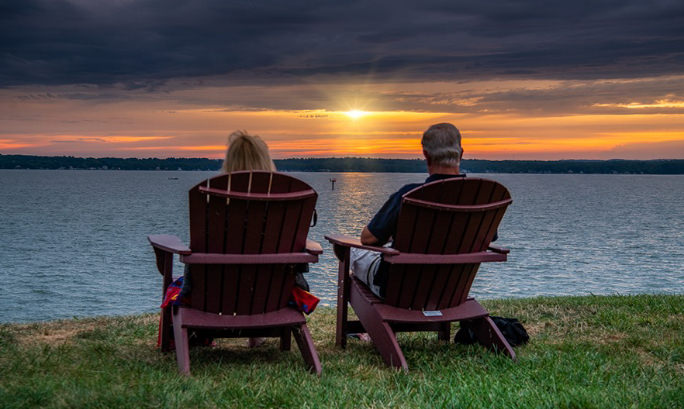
(584, 352)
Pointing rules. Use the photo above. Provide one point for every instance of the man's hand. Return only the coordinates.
(367, 237)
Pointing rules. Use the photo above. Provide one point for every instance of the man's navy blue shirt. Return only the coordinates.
(384, 224)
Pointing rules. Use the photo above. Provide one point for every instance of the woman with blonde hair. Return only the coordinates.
(246, 152)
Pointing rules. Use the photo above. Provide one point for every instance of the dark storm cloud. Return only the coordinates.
(142, 43)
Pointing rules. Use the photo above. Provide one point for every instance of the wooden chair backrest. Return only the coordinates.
(247, 213)
(451, 216)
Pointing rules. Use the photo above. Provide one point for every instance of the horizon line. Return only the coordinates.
(343, 157)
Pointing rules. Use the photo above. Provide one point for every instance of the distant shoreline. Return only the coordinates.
(614, 166)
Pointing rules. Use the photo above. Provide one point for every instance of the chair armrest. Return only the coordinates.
(168, 243)
(269, 258)
(313, 247)
(463, 258)
(497, 249)
(346, 241)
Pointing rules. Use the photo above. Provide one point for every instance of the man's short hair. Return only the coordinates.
(442, 144)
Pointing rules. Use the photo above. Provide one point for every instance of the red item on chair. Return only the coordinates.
(304, 300)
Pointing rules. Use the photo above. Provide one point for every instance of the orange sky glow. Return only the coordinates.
(377, 120)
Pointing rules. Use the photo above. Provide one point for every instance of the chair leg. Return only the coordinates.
(444, 333)
(306, 347)
(343, 288)
(488, 334)
(285, 339)
(385, 341)
(182, 347)
(165, 330)
(384, 338)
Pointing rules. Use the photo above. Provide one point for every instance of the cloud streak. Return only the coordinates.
(143, 43)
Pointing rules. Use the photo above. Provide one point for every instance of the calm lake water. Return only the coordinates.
(73, 243)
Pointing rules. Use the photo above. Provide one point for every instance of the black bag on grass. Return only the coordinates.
(510, 328)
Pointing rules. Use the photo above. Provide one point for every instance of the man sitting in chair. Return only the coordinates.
(442, 150)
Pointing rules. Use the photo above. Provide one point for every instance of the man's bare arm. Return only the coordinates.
(367, 237)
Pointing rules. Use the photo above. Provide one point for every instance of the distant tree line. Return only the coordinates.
(662, 167)
(656, 167)
(666, 167)
(351, 165)
(71, 162)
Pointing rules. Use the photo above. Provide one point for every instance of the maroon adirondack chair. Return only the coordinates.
(443, 234)
(247, 232)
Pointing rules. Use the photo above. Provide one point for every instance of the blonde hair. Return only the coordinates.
(246, 152)
(442, 143)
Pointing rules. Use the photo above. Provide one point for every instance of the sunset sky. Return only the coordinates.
(520, 79)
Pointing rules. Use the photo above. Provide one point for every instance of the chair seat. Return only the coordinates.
(360, 292)
(191, 318)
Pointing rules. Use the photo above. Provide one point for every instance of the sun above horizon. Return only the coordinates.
(355, 114)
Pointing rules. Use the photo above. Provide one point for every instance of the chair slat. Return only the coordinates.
(492, 229)
(411, 278)
(423, 289)
(405, 227)
(235, 219)
(438, 288)
(469, 192)
(470, 233)
(394, 284)
(273, 226)
(289, 227)
(258, 211)
(277, 281)
(286, 289)
(261, 286)
(500, 193)
(246, 289)
(260, 182)
(213, 292)
(450, 194)
(303, 224)
(434, 290)
(254, 227)
(456, 233)
(198, 275)
(484, 195)
(197, 204)
(216, 217)
(440, 231)
(469, 282)
(453, 291)
(284, 184)
(481, 234)
(464, 283)
(422, 231)
(229, 289)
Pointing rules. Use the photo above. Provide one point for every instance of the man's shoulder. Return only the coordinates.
(432, 178)
(394, 201)
(407, 188)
